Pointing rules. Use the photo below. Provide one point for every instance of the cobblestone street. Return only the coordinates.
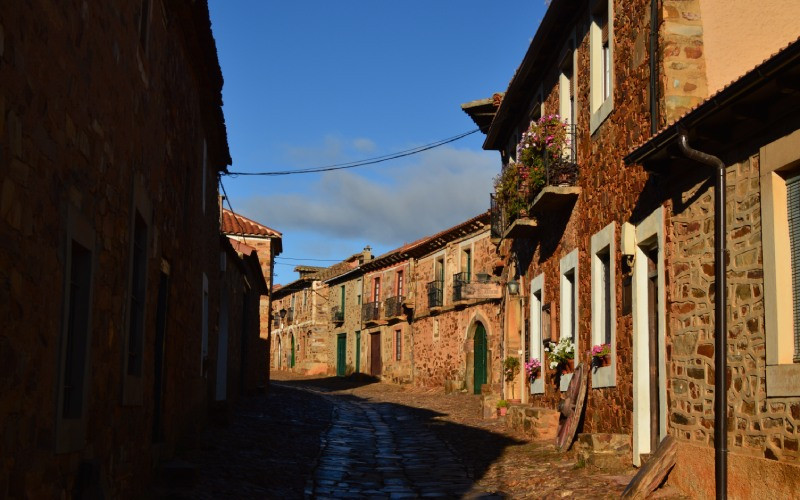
(344, 438)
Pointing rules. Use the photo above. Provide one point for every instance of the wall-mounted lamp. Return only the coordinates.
(513, 287)
(283, 313)
(628, 242)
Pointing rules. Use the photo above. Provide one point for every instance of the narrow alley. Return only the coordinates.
(357, 438)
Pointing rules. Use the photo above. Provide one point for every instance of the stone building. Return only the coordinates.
(268, 244)
(609, 254)
(111, 138)
(456, 328)
(241, 363)
(344, 286)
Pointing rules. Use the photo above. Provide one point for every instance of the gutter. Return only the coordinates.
(720, 319)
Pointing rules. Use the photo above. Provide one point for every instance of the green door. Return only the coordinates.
(341, 354)
(291, 361)
(479, 350)
(358, 352)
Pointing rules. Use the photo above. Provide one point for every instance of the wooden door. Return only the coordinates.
(479, 358)
(375, 354)
(341, 354)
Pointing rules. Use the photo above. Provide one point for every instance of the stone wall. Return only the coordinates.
(758, 427)
(86, 114)
(610, 192)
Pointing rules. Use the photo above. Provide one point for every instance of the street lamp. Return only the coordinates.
(513, 287)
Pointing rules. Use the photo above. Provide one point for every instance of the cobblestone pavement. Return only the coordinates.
(345, 438)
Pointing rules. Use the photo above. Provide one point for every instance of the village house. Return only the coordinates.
(268, 244)
(611, 256)
(344, 287)
(112, 138)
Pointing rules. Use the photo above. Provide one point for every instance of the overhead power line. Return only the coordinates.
(360, 163)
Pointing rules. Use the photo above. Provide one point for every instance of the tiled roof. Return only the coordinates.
(756, 70)
(233, 223)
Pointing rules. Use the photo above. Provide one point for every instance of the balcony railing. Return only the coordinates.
(435, 293)
(337, 314)
(459, 280)
(561, 171)
(371, 311)
(393, 306)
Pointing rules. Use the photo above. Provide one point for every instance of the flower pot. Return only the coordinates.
(502, 411)
(600, 361)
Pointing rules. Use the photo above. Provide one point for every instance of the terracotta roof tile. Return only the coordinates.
(233, 223)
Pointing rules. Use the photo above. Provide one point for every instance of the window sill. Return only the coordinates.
(783, 381)
(604, 376)
(563, 384)
(599, 116)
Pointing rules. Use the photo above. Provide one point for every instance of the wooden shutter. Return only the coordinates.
(793, 210)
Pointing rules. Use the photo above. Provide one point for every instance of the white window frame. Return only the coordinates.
(564, 106)
(535, 331)
(776, 160)
(604, 243)
(569, 263)
(649, 233)
(600, 106)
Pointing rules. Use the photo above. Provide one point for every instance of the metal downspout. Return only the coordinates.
(720, 319)
(653, 67)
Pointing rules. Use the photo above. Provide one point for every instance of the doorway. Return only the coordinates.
(358, 352)
(291, 359)
(375, 353)
(479, 358)
(341, 354)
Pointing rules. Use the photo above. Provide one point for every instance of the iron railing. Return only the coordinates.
(393, 306)
(559, 171)
(435, 293)
(337, 314)
(459, 280)
(370, 311)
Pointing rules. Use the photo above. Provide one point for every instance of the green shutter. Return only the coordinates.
(793, 210)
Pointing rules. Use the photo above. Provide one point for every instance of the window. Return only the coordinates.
(144, 24)
(341, 299)
(569, 306)
(133, 347)
(535, 336)
(780, 209)
(305, 298)
(466, 264)
(399, 283)
(604, 309)
(204, 329)
(75, 344)
(205, 173)
(601, 62)
(377, 290)
(398, 345)
(566, 84)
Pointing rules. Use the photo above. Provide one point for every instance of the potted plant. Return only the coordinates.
(510, 370)
(561, 355)
(601, 355)
(533, 368)
(502, 407)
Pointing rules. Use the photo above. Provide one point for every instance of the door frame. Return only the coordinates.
(649, 235)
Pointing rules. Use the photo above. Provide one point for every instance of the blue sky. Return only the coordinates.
(315, 83)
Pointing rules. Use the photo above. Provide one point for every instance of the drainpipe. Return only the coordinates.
(653, 67)
(720, 320)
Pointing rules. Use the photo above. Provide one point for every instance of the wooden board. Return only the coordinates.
(654, 471)
(572, 408)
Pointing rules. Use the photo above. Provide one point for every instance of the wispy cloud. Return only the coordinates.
(442, 188)
(363, 145)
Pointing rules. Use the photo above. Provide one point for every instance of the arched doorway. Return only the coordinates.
(279, 354)
(479, 358)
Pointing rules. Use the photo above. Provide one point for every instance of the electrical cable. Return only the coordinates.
(359, 163)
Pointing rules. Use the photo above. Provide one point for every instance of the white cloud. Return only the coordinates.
(386, 204)
(363, 145)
